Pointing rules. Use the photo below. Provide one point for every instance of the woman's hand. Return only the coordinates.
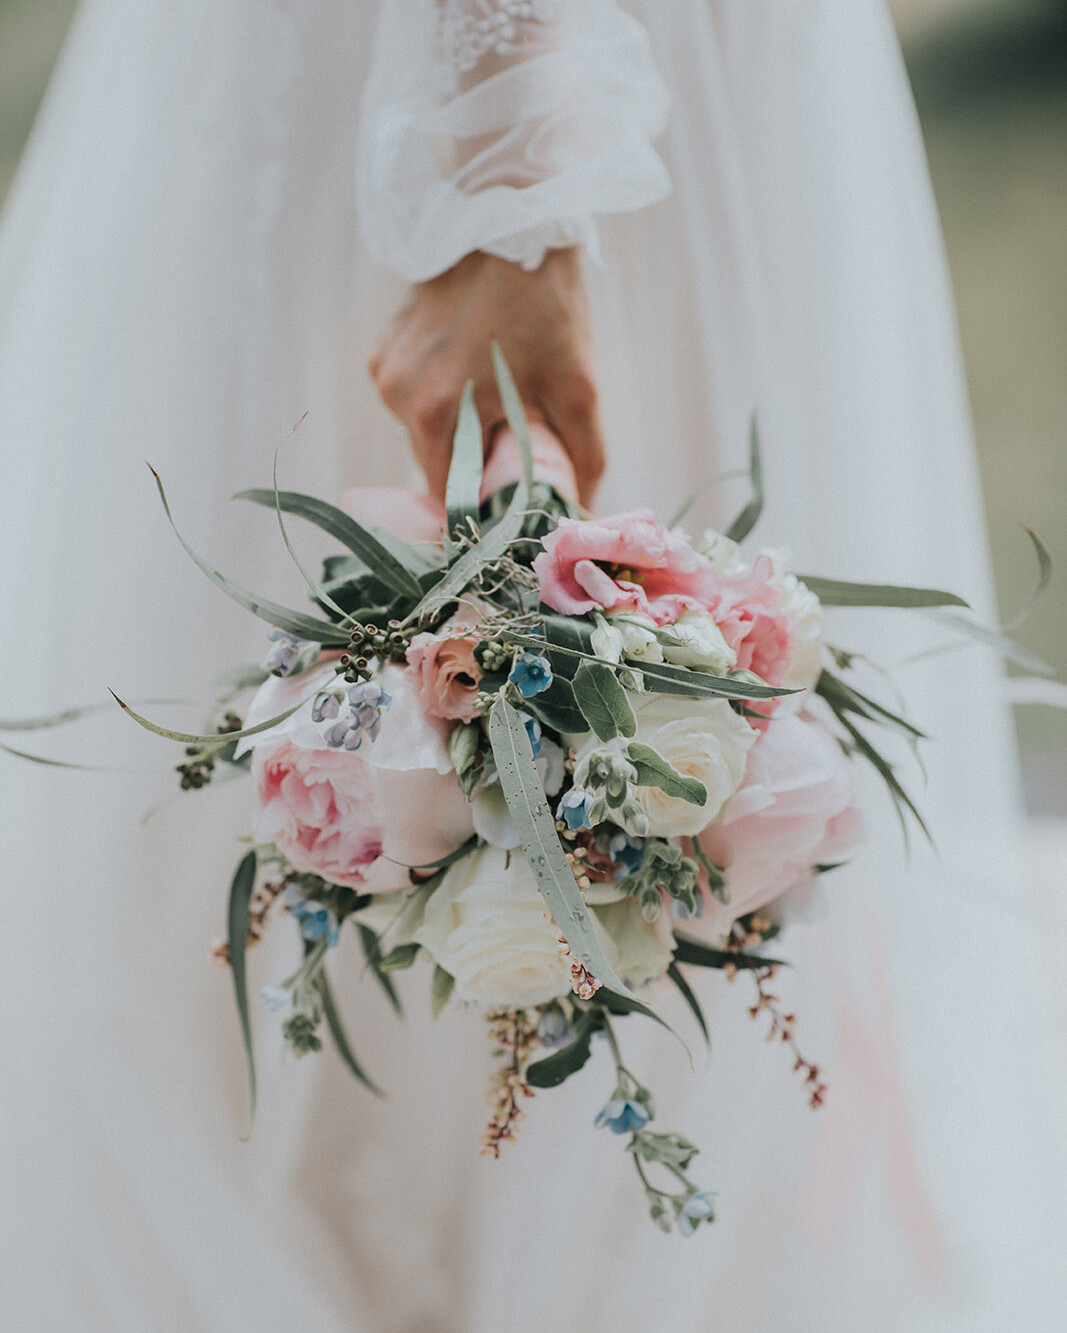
(441, 338)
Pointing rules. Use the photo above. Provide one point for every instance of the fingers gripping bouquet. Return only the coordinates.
(559, 758)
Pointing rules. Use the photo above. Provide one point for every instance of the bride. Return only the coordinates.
(732, 193)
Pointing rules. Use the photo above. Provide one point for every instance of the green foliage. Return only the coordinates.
(655, 771)
(701, 955)
(676, 975)
(295, 622)
(749, 516)
(557, 1068)
(211, 741)
(843, 697)
(336, 1029)
(443, 985)
(556, 707)
(665, 868)
(465, 472)
(603, 701)
(237, 919)
(537, 831)
(399, 958)
(835, 592)
(660, 677)
(372, 951)
(391, 559)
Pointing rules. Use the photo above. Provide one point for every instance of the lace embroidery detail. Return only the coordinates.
(473, 29)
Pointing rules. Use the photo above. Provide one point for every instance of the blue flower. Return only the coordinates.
(315, 919)
(696, 1209)
(533, 730)
(366, 704)
(325, 707)
(628, 853)
(682, 913)
(553, 1029)
(573, 809)
(275, 997)
(622, 1115)
(286, 652)
(531, 674)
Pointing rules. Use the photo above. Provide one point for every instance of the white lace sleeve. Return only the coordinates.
(504, 126)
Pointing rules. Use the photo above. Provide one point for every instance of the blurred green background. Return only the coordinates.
(990, 81)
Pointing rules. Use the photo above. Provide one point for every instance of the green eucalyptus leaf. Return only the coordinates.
(515, 413)
(220, 740)
(603, 701)
(496, 541)
(840, 695)
(441, 863)
(463, 571)
(835, 592)
(294, 622)
(237, 919)
(402, 956)
(372, 951)
(337, 1031)
(391, 559)
(972, 630)
(318, 593)
(1044, 578)
(63, 763)
(45, 721)
(441, 991)
(556, 1068)
(675, 974)
(660, 678)
(572, 635)
(556, 708)
(465, 472)
(749, 516)
(655, 771)
(536, 828)
(701, 955)
(901, 800)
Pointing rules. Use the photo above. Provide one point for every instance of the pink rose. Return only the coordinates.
(318, 808)
(445, 673)
(629, 562)
(358, 818)
(792, 813)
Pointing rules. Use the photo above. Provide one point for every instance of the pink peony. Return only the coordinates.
(629, 562)
(318, 808)
(746, 610)
(793, 812)
(445, 673)
(332, 812)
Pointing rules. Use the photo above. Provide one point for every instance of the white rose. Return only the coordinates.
(701, 738)
(694, 640)
(639, 951)
(486, 925)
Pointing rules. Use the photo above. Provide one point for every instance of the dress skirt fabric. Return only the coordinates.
(181, 278)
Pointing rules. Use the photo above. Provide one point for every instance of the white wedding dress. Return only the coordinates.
(181, 277)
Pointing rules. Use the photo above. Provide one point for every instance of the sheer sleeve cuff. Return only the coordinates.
(505, 126)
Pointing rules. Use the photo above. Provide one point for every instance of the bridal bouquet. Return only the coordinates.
(559, 759)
